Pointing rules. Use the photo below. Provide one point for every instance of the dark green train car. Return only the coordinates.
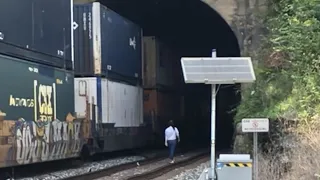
(36, 113)
(34, 92)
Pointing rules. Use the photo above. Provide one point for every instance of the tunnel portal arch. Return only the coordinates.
(196, 28)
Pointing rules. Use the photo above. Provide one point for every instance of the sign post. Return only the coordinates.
(255, 126)
(216, 70)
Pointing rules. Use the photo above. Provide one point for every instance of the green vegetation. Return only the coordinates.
(287, 65)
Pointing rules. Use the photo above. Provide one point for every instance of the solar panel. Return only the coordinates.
(218, 70)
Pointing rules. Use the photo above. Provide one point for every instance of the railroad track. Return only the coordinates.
(170, 167)
(114, 169)
(119, 168)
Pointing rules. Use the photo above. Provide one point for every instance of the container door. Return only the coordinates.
(86, 104)
(83, 41)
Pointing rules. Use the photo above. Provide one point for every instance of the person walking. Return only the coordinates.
(171, 138)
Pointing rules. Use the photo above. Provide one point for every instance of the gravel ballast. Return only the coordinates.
(88, 167)
(191, 174)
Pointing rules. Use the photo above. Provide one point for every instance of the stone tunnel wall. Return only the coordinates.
(241, 15)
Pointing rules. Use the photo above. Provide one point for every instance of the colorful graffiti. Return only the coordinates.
(41, 136)
(23, 142)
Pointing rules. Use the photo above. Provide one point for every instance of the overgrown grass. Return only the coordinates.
(300, 160)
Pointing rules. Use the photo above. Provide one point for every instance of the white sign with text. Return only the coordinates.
(255, 125)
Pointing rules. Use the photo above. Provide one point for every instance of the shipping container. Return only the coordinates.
(159, 107)
(115, 110)
(39, 32)
(116, 104)
(159, 64)
(106, 44)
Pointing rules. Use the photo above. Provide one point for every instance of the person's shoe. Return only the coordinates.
(171, 162)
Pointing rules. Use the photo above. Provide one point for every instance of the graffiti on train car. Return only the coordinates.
(43, 138)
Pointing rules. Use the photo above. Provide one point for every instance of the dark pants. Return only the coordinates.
(172, 146)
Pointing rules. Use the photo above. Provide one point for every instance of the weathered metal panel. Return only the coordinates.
(53, 34)
(124, 103)
(37, 105)
(106, 44)
(149, 62)
(117, 112)
(41, 32)
(121, 45)
(83, 41)
(86, 104)
(121, 138)
(159, 107)
(158, 63)
(118, 104)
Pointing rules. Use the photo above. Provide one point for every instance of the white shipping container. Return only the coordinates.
(157, 63)
(117, 103)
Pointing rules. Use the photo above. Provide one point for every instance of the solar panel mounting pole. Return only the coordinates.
(216, 70)
(213, 123)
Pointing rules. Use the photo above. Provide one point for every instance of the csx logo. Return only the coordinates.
(132, 42)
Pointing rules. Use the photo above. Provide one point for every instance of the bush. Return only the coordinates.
(287, 65)
(287, 68)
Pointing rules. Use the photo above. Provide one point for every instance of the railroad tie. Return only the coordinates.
(238, 165)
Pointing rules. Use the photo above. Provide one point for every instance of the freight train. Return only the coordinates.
(50, 110)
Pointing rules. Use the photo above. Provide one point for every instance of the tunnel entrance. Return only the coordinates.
(193, 29)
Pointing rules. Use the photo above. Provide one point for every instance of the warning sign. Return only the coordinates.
(255, 125)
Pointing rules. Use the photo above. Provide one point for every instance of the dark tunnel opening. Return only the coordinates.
(194, 29)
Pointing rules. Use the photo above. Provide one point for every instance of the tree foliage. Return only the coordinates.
(288, 64)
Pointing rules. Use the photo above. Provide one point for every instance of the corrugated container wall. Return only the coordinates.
(158, 64)
(159, 107)
(35, 92)
(118, 104)
(39, 31)
(106, 44)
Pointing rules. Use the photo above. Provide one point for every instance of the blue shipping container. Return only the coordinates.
(106, 44)
(38, 31)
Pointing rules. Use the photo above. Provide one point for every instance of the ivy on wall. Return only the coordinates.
(287, 65)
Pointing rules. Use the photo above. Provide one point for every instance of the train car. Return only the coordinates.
(115, 111)
(161, 82)
(159, 65)
(37, 121)
(106, 44)
(159, 107)
(38, 31)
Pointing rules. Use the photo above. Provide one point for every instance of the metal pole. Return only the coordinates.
(255, 155)
(213, 123)
(214, 53)
(72, 34)
(213, 129)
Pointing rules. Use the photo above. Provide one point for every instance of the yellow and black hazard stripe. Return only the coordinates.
(238, 165)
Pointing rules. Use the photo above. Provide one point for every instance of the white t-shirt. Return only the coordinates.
(171, 133)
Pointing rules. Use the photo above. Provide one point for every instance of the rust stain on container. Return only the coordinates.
(159, 64)
(159, 107)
